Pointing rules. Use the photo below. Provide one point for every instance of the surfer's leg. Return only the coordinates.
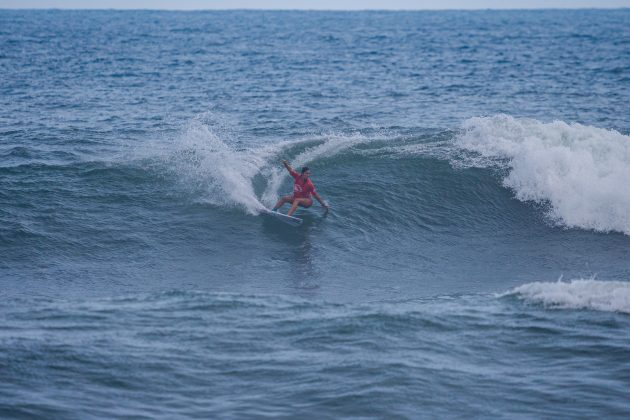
(282, 202)
(304, 202)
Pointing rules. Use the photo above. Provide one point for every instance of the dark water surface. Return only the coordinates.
(471, 160)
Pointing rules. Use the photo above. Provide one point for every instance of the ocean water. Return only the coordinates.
(475, 263)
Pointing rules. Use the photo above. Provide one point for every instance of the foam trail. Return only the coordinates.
(580, 171)
(201, 159)
(608, 296)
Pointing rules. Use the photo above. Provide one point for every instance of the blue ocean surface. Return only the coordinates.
(475, 261)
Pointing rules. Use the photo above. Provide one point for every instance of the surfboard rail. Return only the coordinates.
(290, 220)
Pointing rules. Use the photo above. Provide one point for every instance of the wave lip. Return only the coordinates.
(580, 171)
(606, 296)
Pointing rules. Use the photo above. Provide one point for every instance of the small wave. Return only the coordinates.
(580, 171)
(607, 296)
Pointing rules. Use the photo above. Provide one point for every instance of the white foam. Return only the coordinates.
(608, 296)
(582, 172)
(205, 164)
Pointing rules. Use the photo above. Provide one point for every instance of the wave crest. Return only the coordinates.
(580, 171)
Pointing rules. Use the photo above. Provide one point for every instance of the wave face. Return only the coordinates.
(580, 171)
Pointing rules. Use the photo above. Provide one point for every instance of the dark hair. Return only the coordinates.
(305, 168)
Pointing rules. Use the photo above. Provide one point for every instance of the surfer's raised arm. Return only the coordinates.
(286, 165)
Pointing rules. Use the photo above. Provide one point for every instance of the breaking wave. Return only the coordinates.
(580, 172)
(577, 173)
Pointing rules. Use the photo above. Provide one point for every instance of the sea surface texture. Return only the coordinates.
(475, 261)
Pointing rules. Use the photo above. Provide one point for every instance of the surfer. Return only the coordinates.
(303, 188)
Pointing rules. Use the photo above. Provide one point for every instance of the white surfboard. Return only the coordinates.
(289, 220)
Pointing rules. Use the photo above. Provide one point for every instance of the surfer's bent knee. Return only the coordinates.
(306, 202)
